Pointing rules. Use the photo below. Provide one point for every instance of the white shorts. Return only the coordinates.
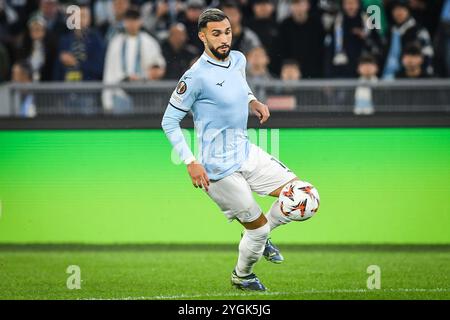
(261, 173)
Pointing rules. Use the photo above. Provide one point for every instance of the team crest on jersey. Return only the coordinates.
(182, 87)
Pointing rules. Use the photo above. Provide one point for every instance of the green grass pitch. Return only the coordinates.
(203, 272)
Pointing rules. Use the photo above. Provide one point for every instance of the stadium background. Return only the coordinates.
(377, 185)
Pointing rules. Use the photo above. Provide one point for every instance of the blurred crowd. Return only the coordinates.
(139, 40)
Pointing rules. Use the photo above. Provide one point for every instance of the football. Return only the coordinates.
(299, 200)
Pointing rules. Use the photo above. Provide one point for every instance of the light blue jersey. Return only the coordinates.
(217, 94)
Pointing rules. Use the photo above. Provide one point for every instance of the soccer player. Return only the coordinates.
(228, 167)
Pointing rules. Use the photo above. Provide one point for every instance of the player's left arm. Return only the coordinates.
(256, 107)
(261, 110)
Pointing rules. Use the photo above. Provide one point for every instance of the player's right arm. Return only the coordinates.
(180, 104)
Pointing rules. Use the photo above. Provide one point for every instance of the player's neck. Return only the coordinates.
(214, 58)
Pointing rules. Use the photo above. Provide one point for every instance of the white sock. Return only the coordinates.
(251, 249)
(275, 217)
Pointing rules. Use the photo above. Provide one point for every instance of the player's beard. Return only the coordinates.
(217, 54)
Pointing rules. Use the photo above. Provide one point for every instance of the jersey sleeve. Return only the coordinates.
(185, 93)
(180, 103)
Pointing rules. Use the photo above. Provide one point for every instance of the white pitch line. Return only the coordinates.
(312, 291)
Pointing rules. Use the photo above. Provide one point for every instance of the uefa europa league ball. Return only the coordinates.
(299, 200)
